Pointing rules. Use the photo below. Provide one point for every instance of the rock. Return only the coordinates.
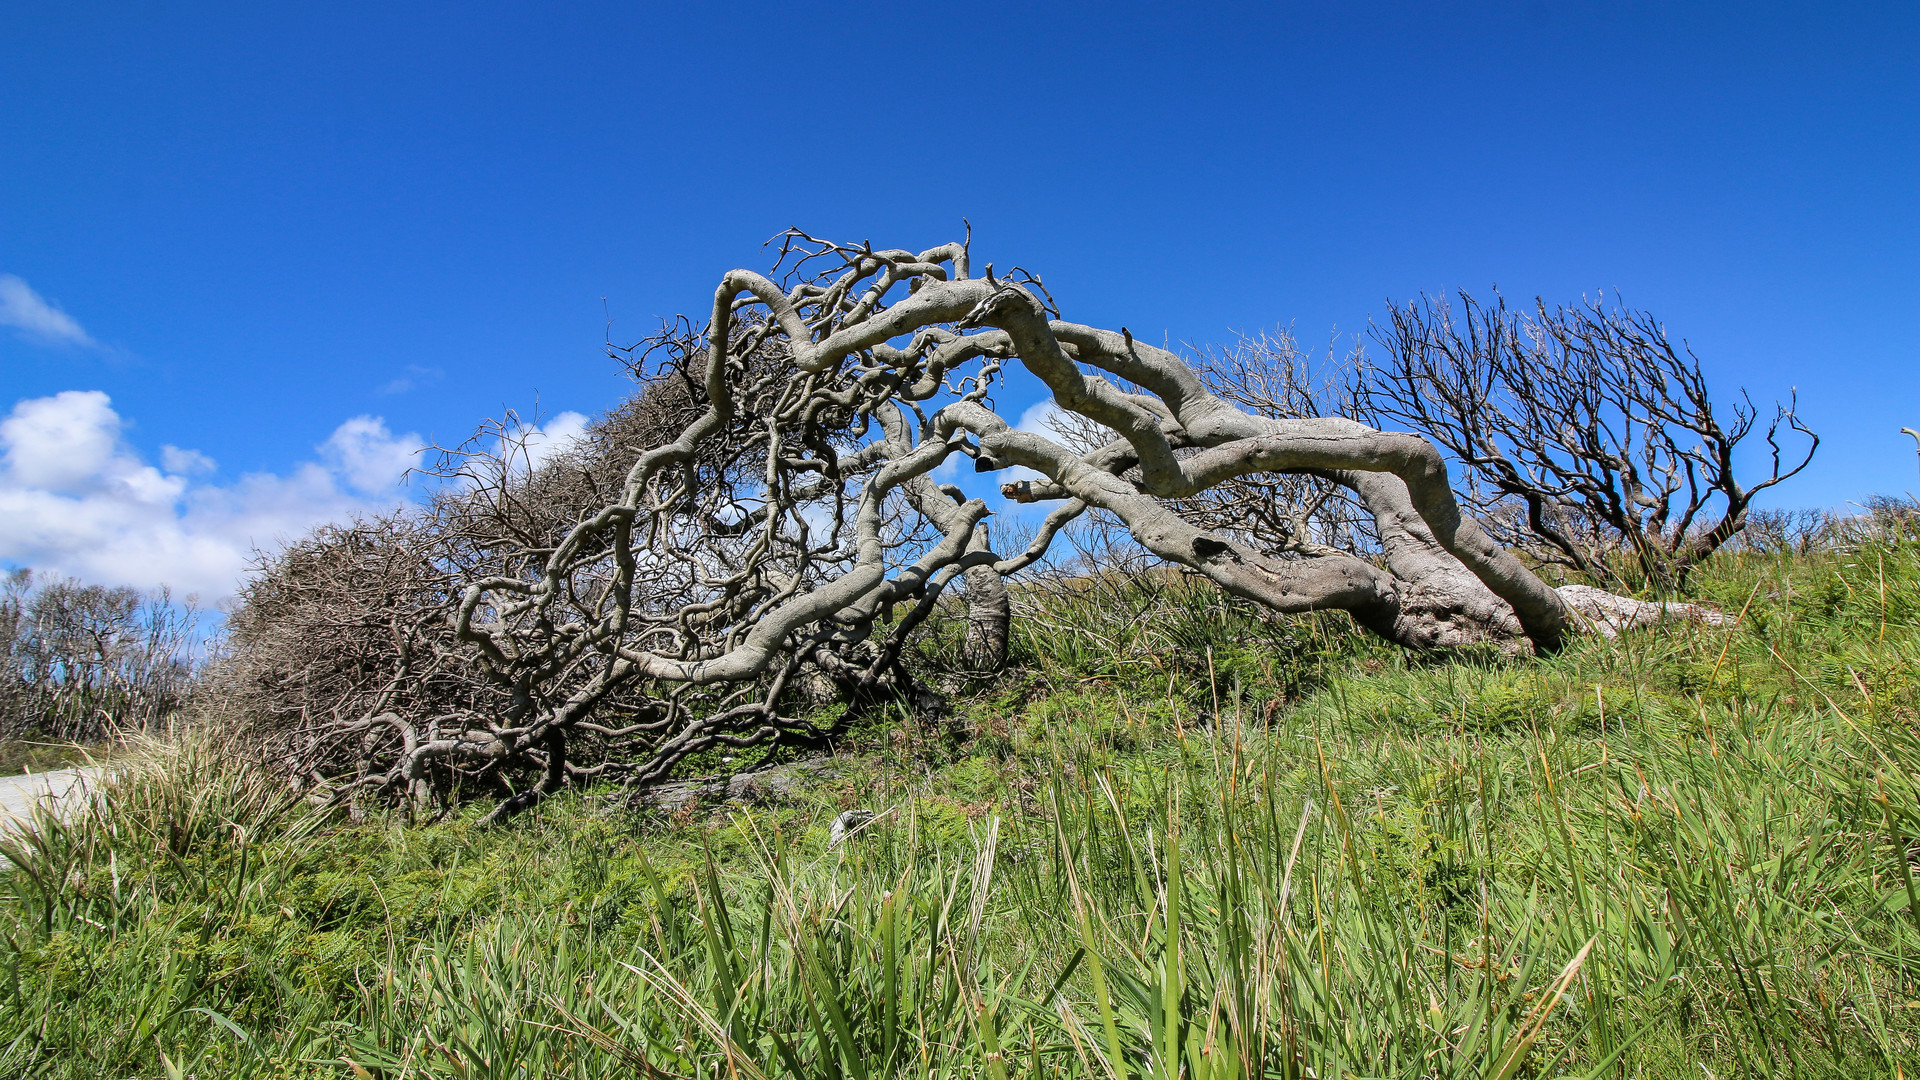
(741, 789)
(845, 824)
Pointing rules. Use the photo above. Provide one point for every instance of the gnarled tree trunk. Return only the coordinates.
(781, 518)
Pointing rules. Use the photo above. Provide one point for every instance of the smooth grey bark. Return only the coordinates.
(832, 399)
(989, 620)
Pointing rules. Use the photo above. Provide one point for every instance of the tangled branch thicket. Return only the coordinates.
(738, 555)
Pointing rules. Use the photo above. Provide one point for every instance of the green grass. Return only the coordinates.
(19, 756)
(1182, 840)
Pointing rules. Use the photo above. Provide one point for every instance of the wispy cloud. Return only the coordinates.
(34, 317)
(415, 375)
(76, 499)
(185, 462)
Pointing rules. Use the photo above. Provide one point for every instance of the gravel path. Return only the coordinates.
(19, 793)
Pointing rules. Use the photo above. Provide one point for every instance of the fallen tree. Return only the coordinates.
(760, 531)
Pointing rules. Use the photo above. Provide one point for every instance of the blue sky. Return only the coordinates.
(291, 243)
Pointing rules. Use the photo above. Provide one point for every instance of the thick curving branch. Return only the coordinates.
(738, 556)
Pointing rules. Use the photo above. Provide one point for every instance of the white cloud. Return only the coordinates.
(76, 499)
(1045, 418)
(67, 443)
(31, 314)
(1041, 418)
(185, 462)
(523, 447)
(370, 457)
(558, 433)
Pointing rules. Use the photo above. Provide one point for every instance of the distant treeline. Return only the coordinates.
(82, 662)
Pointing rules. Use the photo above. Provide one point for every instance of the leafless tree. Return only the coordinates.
(84, 662)
(762, 521)
(1584, 431)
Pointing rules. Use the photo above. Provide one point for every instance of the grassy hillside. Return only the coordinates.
(1181, 839)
